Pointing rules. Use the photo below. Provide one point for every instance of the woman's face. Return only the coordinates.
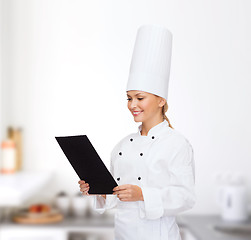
(144, 106)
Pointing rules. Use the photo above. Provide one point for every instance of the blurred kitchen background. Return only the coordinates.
(64, 67)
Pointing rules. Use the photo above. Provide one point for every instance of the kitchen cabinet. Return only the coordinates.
(208, 227)
(45, 233)
(71, 228)
(56, 233)
(101, 227)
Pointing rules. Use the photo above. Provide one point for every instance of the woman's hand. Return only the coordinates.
(128, 192)
(84, 187)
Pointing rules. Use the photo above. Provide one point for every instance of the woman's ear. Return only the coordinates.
(162, 102)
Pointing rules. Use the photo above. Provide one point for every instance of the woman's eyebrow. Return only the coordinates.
(135, 94)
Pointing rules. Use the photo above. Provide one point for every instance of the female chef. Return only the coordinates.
(154, 167)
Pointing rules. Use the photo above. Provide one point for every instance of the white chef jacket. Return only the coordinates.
(162, 164)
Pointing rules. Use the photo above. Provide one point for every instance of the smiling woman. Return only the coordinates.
(154, 167)
(143, 105)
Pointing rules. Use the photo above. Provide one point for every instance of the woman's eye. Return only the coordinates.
(131, 99)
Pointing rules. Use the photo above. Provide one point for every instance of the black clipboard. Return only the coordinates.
(87, 164)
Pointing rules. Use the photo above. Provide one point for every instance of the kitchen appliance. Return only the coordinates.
(234, 202)
(63, 203)
(80, 205)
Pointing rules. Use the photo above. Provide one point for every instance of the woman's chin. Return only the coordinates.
(137, 119)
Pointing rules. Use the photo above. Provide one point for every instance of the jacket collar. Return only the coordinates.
(155, 130)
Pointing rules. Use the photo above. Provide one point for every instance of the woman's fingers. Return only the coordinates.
(123, 197)
(83, 184)
(128, 193)
(122, 187)
(124, 191)
(85, 190)
(84, 187)
(81, 181)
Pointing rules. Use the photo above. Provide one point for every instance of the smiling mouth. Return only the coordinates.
(136, 113)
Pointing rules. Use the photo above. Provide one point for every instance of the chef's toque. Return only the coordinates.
(151, 59)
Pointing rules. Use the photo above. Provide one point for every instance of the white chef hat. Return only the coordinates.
(151, 59)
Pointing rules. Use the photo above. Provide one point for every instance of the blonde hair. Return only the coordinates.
(164, 110)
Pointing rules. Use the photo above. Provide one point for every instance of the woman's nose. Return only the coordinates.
(133, 104)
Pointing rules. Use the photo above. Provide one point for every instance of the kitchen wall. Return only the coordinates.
(65, 67)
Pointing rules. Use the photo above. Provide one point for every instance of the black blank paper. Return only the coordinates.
(87, 163)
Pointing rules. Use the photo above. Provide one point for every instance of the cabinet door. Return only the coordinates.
(32, 234)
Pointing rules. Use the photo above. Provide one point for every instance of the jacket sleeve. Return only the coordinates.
(174, 191)
(99, 203)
